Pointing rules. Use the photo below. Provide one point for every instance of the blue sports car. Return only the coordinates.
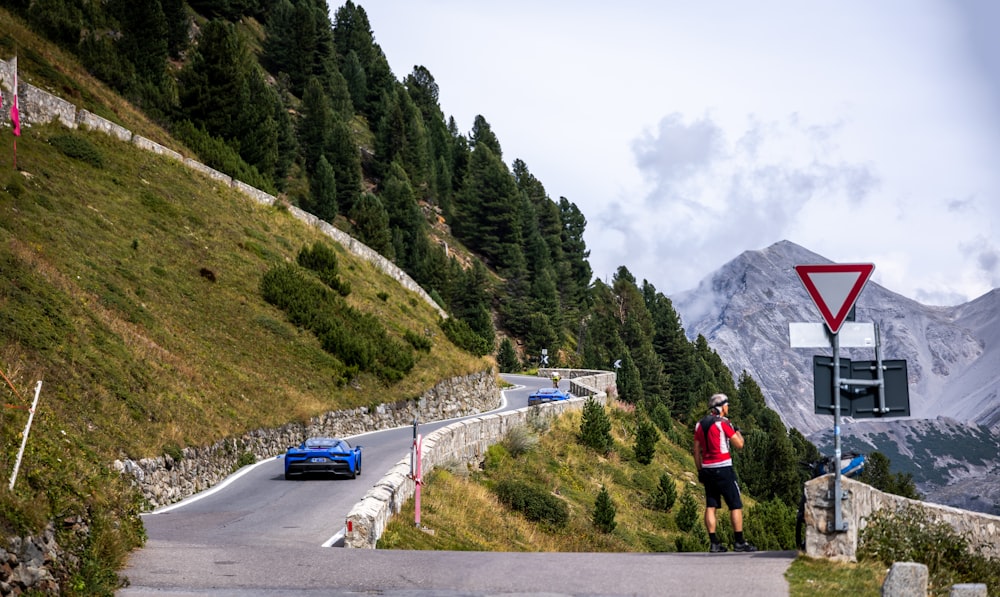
(543, 395)
(323, 455)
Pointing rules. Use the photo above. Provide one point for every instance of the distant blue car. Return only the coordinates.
(543, 395)
(323, 455)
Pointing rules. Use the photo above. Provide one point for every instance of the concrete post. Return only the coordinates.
(906, 579)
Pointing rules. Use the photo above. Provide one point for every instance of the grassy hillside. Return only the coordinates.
(130, 286)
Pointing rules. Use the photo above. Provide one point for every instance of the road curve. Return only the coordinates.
(259, 535)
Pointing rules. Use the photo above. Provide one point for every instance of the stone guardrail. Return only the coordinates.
(982, 530)
(38, 106)
(463, 442)
(164, 480)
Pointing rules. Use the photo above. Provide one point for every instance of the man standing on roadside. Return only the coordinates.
(713, 437)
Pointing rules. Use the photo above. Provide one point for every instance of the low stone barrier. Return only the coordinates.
(150, 145)
(45, 107)
(88, 120)
(165, 479)
(209, 172)
(254, 193)
(981, 530)
(463, 442)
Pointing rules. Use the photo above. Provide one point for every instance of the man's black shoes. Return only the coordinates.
(717, 548)
(745, 547)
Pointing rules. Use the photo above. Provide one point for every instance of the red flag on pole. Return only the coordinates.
(15, 116)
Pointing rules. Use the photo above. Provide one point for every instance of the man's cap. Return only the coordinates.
(717, 400)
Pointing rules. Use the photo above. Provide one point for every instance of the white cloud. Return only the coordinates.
(688, 133)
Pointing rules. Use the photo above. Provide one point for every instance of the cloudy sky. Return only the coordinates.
(689, 132)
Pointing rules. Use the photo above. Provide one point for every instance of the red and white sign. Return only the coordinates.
(835, 287)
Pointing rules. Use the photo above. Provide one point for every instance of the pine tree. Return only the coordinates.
(405, 218)
(367, 71)
(578, 274)
(604, 512)
(256, 131)
(507, 359)
(482, 136)
(687, 516)
(314, 126)
(595, 429)
(371, 223)
(342, 153)
(143, 42)
(323, 186)
(666, 494)
(629, 384)
(877, 474)
(645, 441)
(212, 84)
(672, 348)
(423, 90)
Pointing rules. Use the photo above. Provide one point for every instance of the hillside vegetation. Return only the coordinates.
(131, 286)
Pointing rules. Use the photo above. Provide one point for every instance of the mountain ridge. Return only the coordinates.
(743, 310)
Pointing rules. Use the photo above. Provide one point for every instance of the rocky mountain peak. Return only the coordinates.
(952, 353)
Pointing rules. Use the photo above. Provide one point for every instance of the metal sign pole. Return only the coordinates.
(838, 494)
(416, 472)
(880, 388)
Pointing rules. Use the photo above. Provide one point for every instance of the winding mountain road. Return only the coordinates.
(257, 534)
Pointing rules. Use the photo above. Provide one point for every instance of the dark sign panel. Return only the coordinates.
(860, 401)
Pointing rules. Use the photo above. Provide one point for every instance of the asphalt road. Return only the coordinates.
(257, 534)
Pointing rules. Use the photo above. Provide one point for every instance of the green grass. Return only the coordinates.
(104, 296)
(461, 511)
(809, 577)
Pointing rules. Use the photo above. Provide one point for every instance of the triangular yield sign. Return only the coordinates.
(834, 287)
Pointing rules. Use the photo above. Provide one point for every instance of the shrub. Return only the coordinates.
(357, 339)
(322, 260)
(417, 341)
(216, 153)
(910, 535)
(459, 332)
(534, 503)
(244, 459)
(173, 451)
(690, 543)
(771, 525)
(495, 455)
(520, 440)
(78, 148)
(661, 417)
(15, 187)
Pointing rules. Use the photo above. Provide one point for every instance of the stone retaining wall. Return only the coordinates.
(462, 442)
(89, 120)
(981, 530)
(165, 480)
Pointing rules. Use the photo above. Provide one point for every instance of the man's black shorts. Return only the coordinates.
(720, 483)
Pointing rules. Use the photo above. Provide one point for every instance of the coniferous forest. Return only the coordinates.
(282, 96)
